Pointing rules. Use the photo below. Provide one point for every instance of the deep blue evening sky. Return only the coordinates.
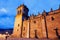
(8, 9)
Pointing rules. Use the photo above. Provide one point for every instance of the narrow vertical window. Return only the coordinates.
(17, 29)
(20, 11)
(24, 28)
(18, 25)
(52, 18)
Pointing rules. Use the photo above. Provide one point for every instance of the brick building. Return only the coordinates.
(45, 25)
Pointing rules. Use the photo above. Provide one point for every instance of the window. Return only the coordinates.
(52, 18)
(24, 9)
(18, 25)
(18, 12)
(34, 21)
(17, 29)
(24, 28)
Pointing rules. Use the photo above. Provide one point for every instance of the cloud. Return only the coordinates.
(3, 10)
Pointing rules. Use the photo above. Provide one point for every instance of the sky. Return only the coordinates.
(8, 9)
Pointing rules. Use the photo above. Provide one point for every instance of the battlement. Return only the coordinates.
(32, 16)
(44, 13)
(42, 25)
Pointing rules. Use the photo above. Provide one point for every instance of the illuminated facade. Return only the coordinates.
(45, 25)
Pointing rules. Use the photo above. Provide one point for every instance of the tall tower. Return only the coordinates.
(22, 13)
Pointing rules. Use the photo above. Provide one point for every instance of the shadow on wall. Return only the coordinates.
(57, 34)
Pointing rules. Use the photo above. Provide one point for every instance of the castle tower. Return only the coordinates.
(22, 13)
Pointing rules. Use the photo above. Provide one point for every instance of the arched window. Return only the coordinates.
(18, 12)
(34, 21)
(52, 18)
(18, 25)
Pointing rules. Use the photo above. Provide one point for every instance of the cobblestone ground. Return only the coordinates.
(25, 39)
(28, 39)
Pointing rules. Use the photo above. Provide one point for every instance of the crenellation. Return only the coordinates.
(51, 10)
(37, 26)
(32, 16)
(39, 15)
(44, 13)
(59, 7)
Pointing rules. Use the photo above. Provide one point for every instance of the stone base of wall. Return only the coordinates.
(26, 39)
(29, 39)
(2, 39)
